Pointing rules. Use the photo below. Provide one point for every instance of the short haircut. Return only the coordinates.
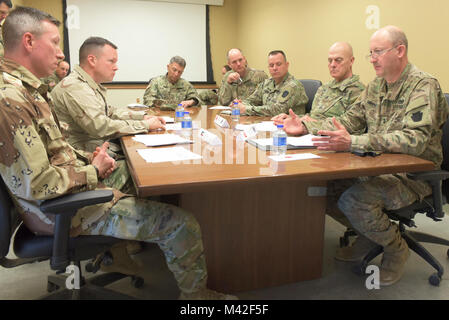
(275, 52)
(397, 36)
(93, 44)
(7, 2)
(22, 20)
(179, 60)
(233, 49)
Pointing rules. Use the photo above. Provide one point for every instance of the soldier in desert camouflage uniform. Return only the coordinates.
(401, 111)
(86, 119)
(59, 74)
(36, 163)
(241, 81)
(277, 94)
(169, 90)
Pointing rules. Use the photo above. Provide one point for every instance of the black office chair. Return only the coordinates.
(432, 206)
(311, 87)
(59, 248)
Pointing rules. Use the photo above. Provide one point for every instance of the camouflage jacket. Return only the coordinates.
(403, 117)
(271, 99)
(51, 81)
(208, 96)
(36, 163)
(333, 98)
(170, 94)
(86, 119)
(241, 90)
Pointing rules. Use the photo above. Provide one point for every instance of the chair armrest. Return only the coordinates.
(434, 175)
(73, 202)
(64, 208)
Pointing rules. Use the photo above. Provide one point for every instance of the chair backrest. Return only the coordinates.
(5, 219)
(311, 86)
(445, 144)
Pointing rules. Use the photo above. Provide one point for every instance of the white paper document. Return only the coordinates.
(154, 140)
(220, 108)
(167, 155)
(295, 156)
(169, 119)
(178, 125)
(262, 126)
(302, 141)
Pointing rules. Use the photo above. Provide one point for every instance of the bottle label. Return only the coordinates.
(279, 141)
(179, 114)
(235, 112)
(187, 124)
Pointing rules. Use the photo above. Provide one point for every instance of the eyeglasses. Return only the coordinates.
(377, 53)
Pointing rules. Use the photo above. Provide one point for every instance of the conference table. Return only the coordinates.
(262, 221)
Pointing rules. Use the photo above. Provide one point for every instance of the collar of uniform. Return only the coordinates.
(176, 85)
(248, 75)
(280, 84)
(344, 84)
(392, 90)
(84, 76)
(22, 73)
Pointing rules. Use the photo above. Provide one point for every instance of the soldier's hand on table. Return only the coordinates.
(156, 123)
(293, 124)
(187, 103)
(279, 119)
(102, 160)
(338, 140)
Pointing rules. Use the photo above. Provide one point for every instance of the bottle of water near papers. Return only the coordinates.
(235, 112)
(186, 125)
(179, 113)
(280, 141)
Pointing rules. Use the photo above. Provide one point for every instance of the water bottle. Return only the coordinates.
(280, 141)
(186, 125)
(179, 113)
(235, 112)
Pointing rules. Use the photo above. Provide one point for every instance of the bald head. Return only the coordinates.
(340, 60)
(237, 61)
(388, 52)
(392, 34)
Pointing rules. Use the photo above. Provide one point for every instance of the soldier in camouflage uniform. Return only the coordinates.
(333, 98)
(208, 96)
(401, 111)
(277, 94)
(240, 82)
(170, 90)
(36, 163)
(59, 74)
(86, 119)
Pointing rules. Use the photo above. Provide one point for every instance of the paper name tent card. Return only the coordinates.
(167, 155)
(303, 142)
(154, 140)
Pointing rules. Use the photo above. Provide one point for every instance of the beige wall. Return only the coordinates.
(305, 29)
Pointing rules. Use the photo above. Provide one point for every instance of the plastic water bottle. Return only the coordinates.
(280, 141)
(186, 124)
(179, 113)
(235, 112)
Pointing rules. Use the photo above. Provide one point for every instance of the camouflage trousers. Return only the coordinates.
(366, 198)
(120, 179)
(174, 230)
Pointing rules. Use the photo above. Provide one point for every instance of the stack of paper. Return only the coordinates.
(167, 155)
(154, 140)
(295, 156)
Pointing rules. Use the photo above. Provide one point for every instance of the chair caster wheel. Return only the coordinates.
(137, 282)
(91, 267)
(51, 287)
(448, 253)
(360, 268)
(435, 279)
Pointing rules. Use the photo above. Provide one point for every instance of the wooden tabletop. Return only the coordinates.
(237, 162)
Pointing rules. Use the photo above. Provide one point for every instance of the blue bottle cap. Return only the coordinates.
(280, 125)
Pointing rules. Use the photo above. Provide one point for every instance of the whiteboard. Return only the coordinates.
(146, 33)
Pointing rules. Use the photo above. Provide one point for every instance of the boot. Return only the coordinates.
(122, 262)
(206, 294)
(393, 262)
(357, 251)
